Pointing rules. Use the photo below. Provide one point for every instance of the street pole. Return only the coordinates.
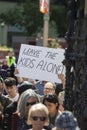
(46, 27)
(2, 32)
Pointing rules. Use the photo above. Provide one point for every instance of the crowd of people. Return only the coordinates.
(27, 104)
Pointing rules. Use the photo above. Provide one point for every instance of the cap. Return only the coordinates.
(24, 86)
(66, 120)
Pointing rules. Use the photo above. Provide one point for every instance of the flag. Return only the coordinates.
(44, 6)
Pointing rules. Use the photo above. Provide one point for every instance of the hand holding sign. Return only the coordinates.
(62, 78)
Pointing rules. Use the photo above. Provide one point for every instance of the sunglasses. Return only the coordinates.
(49, 89)
(35, 118)
(30, 103)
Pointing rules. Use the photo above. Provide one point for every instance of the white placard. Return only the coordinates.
(41, 63)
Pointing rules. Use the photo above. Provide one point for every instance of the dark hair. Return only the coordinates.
(10, 70)
(24, 86)
(9, 82)
(59, 88)
(10, 51)
(52, 98)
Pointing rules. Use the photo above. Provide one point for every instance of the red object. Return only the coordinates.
(14, 121)
(44, 6)
(32, 42)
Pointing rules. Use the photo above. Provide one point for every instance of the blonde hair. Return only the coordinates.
(56, 128)
(41, 108)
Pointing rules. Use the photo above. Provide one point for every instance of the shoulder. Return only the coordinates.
(21, 124)
(11, 108)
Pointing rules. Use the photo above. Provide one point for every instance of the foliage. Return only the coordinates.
(27, 15)
(58, 14)
(53, 29)
(54, 44)
(5, 48)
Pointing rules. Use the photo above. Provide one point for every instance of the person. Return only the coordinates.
(44, 87)
(26, 100)
(50, 100)
(38, 116)
(4, 65)
(4, 102)
(3, 73)
(23, 86)
(66, 121)
(11, 59)
(49, 88)
(39, 85)
(13, 95)
(12, 108)
(3, 70)
(11, 88)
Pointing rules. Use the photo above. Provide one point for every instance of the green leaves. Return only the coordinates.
(26, 14)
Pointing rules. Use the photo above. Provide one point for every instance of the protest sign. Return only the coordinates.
(41, 63)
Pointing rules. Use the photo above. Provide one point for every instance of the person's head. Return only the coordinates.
(4, 62)
(10, 53)
(26, 100)
(10, 85)
(25, 85)
(38, 116)
(49, 88)
(51, 101)
(1, 85)
(66, 121)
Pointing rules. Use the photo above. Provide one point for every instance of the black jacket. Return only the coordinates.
(8, 115)
(4, 102)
